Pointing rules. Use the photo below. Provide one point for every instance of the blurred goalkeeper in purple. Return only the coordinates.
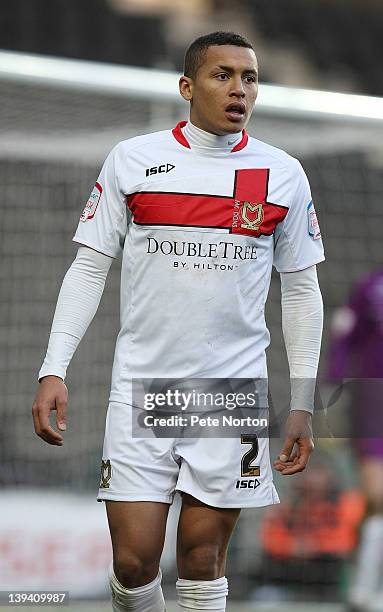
(356, 360)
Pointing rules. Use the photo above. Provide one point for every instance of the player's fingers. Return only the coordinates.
(61, 414)
(306, 447)
(280, 465)
(285, 453)
(50, 436)
(295, 453)
(35, 416)
(47, 433)
(295, 467)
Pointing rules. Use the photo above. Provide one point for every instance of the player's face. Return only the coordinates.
(224, 91)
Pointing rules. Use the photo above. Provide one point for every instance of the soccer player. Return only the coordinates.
(201, 213)
(356, 352)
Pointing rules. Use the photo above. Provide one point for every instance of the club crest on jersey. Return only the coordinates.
(106, 474)
(247, 216)
(313, 225)
(92, 203)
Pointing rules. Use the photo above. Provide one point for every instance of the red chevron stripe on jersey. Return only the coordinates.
(183, 209)
(246, 212)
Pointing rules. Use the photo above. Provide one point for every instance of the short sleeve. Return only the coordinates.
(297, 239)
(103, 222)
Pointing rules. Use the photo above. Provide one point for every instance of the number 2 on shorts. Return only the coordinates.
(246, 468)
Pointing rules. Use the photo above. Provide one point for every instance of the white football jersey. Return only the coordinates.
(199, 234)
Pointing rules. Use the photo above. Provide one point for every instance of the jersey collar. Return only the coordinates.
(179, 136)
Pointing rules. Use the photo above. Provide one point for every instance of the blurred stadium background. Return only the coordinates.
(58, 120)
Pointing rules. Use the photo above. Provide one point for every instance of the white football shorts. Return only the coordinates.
(220, 472)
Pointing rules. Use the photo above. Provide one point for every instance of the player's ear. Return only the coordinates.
(186, 88)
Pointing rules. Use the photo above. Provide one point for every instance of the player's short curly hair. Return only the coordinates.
(195, 54)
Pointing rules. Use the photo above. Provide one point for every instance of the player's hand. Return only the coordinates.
(52, 394)
(299, 443)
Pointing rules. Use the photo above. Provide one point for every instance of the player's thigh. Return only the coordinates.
(202, 539)
(137, 531)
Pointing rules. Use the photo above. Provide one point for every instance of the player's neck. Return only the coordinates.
(200, 139)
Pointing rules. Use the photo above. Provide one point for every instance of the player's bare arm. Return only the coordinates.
(52, 395)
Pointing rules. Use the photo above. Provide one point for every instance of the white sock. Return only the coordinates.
(147, 598)
(202, 594)
(369, 563)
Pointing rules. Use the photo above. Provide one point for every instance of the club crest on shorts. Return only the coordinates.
(106, 474)
(313, 225)
(92, 203)
(247, 216)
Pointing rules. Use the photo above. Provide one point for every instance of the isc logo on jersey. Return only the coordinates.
(92, 203)
(163, 168)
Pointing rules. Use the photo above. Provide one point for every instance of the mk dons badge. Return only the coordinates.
(247, 217)
(92, 203)
(252, 215)
(106, 474)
